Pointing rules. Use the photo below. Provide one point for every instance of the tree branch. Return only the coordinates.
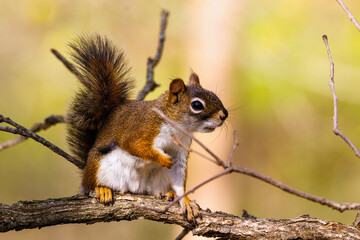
(82, 209)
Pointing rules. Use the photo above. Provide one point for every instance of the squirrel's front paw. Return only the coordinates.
(190, 209)
(165, 161)
(104, 195)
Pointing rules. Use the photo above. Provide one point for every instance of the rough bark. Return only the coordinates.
(82, 209)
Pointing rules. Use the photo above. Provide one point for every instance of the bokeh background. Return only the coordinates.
(265, 59)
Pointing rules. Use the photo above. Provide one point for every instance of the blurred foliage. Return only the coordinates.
(277, 91)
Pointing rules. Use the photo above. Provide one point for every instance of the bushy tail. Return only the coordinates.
(104, 76)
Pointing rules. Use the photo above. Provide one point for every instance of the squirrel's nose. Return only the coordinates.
(223, 114)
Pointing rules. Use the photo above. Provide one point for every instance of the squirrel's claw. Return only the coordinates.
(104, 195)
(165, 161)
(190, 210)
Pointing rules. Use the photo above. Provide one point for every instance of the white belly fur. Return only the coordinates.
(123, 172)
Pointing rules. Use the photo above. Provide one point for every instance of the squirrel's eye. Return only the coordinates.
(197, 105)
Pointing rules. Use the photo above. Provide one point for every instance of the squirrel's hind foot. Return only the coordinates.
(190, 210)
(104, 195)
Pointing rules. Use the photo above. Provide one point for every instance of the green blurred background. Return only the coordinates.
(265, 59)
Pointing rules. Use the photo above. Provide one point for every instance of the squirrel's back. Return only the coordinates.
(105, 85)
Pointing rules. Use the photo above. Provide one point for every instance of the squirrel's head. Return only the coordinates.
(195, 108)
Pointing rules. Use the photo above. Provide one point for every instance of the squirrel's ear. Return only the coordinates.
(194, 79)
(177, 88)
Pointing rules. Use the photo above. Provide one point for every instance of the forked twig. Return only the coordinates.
(18, 129)
(232, 168)
(48, 122)
(152, 62)
(332, 87)
(323, 201)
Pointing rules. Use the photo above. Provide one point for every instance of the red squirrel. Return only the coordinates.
(126, 147)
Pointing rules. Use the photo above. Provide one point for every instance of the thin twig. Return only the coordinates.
(18, 129)
(152, 62)
(332, 87)
(48, 122)
(351, 16)
(337, 206)
(236, 144)
(183, 233)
